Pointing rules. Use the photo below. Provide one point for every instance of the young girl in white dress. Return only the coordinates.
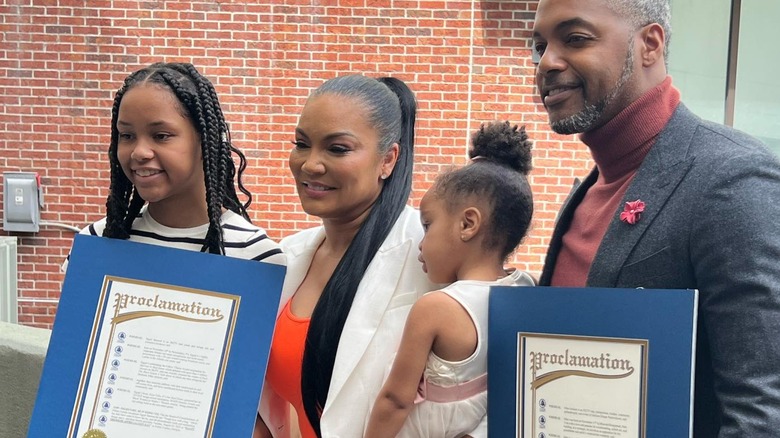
(473, 217)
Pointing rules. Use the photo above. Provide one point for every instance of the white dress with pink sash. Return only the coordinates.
(452, 397)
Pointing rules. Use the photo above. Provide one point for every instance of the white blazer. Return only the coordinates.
(372, 332)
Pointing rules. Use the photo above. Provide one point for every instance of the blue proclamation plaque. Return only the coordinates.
(151, 341)
(579, 362)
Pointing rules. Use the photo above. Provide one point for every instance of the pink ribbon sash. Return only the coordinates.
(445, 394)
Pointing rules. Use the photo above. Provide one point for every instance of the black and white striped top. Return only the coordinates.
(242, 239)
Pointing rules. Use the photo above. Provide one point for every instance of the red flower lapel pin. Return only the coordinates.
(632, 212)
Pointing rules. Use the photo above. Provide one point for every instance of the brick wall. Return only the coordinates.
(467, 61)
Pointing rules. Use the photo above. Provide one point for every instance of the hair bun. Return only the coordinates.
(504, 144)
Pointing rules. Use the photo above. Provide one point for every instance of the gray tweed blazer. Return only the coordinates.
(712, 223)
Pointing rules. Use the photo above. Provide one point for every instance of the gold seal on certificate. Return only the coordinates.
(94, 433)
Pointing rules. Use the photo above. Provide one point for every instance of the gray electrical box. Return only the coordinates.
(21, 202)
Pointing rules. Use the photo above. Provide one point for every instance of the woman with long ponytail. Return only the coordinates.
(351, 281)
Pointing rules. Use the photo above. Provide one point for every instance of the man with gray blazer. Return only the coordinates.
(674, 201)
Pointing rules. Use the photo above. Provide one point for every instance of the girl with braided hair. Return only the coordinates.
(473, 218)
(172, 172)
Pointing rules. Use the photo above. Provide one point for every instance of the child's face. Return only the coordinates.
(439, 252)
(336, 161)
(159, 150)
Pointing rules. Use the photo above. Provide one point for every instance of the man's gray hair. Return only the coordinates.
(643, 12)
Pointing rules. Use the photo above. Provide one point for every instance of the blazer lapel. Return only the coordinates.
(562, 223)
(377, 288)
(299, 256)
(657, 178)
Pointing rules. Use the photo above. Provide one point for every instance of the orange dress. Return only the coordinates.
(285, 362)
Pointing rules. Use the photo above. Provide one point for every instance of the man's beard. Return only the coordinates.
(591, 114)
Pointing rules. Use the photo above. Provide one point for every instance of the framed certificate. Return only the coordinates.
(567, 362)
(156, 342)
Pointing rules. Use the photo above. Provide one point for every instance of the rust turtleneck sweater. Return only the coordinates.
(618, 148)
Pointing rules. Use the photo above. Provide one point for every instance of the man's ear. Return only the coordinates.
(652, 42)
(470, 222)
(389, 160)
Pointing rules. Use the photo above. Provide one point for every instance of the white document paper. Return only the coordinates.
(578, 386)
(160, 354)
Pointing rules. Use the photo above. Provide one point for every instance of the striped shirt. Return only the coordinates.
(242, 239)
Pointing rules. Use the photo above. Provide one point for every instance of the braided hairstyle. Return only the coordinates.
(199, 103)
(390, 108)
(501, 160)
